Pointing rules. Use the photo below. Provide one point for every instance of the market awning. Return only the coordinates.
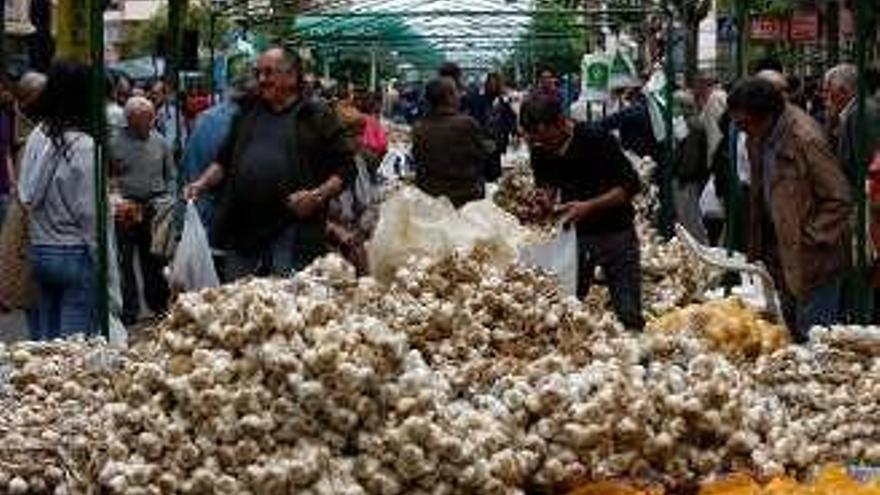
(362, 33)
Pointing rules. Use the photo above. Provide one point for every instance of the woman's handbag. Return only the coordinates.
(16, 283)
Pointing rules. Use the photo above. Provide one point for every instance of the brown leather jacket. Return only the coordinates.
(810, 206)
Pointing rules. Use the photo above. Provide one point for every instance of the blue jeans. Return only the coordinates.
(275, 259)
(820, 307)
(4, 204)
(65, 280)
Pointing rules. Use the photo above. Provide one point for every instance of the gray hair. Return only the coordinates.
(32, 82)
(776, 78)
(138, 104)
(843, 75)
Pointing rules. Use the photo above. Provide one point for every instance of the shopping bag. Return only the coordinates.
(557, 256)
(118, 335)
(374, 138)
(412, 223)
(16, 283)
(710, 204)
(193, 266)
(162, 226)
(396, 165)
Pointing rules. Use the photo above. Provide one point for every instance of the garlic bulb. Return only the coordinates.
(458, 377)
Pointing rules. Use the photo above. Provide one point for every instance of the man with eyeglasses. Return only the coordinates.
(583, 166)
(285, 158)
(800, 205)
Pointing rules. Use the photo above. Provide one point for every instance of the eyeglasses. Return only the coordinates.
(267, 71)
(264, 71)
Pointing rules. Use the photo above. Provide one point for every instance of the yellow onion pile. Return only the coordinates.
(729, 325)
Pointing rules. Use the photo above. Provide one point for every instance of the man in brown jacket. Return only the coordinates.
(801, 202)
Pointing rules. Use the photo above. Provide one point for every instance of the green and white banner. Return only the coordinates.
(595, 73)
(622, 71)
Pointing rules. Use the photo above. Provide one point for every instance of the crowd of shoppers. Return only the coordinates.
(786, 172)
(282, 172)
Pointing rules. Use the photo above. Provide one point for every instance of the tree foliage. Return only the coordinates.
(761, 7)
(143, 38)
(553, 39)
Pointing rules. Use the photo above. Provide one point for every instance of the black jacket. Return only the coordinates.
(320, 150)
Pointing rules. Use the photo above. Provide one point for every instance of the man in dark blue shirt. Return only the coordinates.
(286, 156)
(584, 167)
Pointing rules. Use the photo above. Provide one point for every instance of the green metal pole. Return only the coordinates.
(176, 14)
(667, 212)
(742, 35)
(733, 206)
(212, 48)
(3, 37)
(98, 130)
(865, 20)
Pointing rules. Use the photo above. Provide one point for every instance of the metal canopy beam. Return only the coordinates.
(485, 13)
(437, 37)
(253, 15)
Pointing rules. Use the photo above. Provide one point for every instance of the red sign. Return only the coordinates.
(847, 23)
(804, 26)
(767, 29)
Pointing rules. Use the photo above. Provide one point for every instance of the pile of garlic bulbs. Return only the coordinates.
(671, 277)
(819, 404)
(457, 377)
(518, 195)
(50, 397)
(337, 385)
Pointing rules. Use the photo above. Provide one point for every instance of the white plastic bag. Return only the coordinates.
(367, 190)
(622, 71)
(412, 223)
(396, 165)
(557, 256)
(193, 266)
(710, 205)
(118, 334)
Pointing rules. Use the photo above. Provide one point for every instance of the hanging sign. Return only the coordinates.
(804, 26)
(622, 72)
(765, 28)
(595, 73)
(847, 24)
(17, 18)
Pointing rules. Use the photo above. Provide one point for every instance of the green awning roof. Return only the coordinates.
(362, 32)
